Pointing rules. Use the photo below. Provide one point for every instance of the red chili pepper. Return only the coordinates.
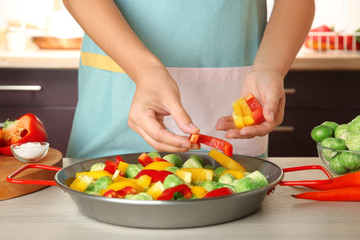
(27, 128)
(347, 180)
(155, 175)
(219, 192)
(216, 143)
(168, 193)
(110, 167)
(340, 194)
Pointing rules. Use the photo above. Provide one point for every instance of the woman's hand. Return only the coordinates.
(268, 88)
(155, 97)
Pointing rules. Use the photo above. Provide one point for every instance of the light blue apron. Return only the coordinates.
(208, 47)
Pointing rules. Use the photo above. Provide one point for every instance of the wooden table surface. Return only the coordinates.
(51, 214)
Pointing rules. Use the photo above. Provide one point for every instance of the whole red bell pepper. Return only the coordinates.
(27, 128)
(216, 143)
(155, 175)
(219, 192)
(168, 193)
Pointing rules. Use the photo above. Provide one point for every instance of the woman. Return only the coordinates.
(153, 72)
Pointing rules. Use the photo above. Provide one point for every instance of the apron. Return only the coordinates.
(208, 47)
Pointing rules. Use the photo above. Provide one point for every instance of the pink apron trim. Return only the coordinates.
(207, 94)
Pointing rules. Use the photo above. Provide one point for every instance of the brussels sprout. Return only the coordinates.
(209, 185)
(227, 178)
(330, 124)
(91, 189)
(129, 196)
(353, 141)
(349, 160)
(192, 163)
(97, 167)
(321, 132)
(336, 166)
(209, 167)
(341, 131)
(252, 181)
(174, 159)
(140, 196)
(132, 170)
(244, 184)
(103, 183)
(338, 144)
(172, 169)
(172, 181)
(328, 153)
(354, 125)
(201, 161)
(220, 185)
(153, 154)
(219, 170)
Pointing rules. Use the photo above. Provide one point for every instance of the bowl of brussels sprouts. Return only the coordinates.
(338, 145)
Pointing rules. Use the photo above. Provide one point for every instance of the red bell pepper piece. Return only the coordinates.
(119, 193)
(258, 116)
(216, 143)
(157, 159)
(168, 193)
(110, 167)
(155, 175)
(340, 194)
(219, 192)
(253, 103)
(144, 159)
(118, 159)
(125, 191)
(27, 128)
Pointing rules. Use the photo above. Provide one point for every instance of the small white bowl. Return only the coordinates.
(30, 152)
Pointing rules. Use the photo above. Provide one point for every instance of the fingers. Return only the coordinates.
(154, 132)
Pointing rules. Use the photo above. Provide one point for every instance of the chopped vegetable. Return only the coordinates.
(174, 159)
(155, 181)
(216, 143)
(226, 161)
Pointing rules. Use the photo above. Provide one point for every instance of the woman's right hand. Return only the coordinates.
(157, 95)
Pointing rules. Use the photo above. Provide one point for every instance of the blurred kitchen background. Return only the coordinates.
(42, 79)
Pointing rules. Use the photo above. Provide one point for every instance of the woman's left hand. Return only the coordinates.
(267, 86)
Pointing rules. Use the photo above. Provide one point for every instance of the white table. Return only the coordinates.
(51, 214)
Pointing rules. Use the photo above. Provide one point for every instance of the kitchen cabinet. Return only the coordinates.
(51, 94)
(312, 98)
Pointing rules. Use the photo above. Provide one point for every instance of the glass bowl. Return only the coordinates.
(339, 162)
(30, 152)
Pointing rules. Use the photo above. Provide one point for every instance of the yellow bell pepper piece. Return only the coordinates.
(236, 174)
(95, 174)
(237, 108)
(248, 120)
(226, 161)
(158, 165)
(184, 175)
(81, 183)
(238, 120)
(121, 184)
(123, 166)
(155, 190)
(197, 174)
(144, 181)
(245, 109)
(198, 191)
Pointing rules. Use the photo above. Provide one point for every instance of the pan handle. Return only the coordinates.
(307, 182)
(11, 179)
